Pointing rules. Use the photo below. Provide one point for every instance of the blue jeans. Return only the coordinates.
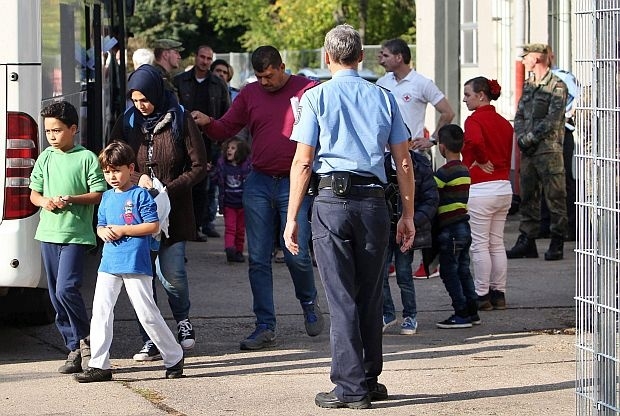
(170, 265)
(454, 242)
(64, 266)
(402, 263)
(350, 236)
(265, 201)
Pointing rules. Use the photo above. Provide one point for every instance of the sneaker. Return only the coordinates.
(409, 326)
(377, 392)
(421, 273)
(73, 364)
(392, 270)
(388, 323)
(176, 371)
(186, 334)
(92, 375)
(313, 318)
(149, 352)
(85, 351)
(262, 337)
(455, 321)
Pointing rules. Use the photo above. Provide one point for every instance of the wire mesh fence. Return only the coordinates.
(597, 66)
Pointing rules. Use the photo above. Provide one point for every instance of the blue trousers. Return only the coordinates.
(402, 264)
(454, 244)
(64, 266)
(350, 237)
(265, 202)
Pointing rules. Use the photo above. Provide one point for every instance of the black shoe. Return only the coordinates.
(330, 401)
(524, 248)
(378, 392)
(210, 232)
(73, 364)
(186, 334)
(498, 300)
(92, 375)
(149, 352)
(234, 256)
(176, 371)
(472, 310)
(556, 249)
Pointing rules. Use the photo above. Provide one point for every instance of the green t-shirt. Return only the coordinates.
(58, 173)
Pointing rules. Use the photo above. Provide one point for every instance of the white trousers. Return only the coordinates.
(140, 291)
(487, 218)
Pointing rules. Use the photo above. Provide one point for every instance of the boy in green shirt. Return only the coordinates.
(66, 182)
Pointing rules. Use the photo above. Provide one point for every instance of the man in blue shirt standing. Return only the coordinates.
(342, 130)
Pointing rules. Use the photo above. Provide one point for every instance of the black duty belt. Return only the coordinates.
(356, 185)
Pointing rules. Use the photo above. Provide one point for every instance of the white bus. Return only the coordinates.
(48, 53)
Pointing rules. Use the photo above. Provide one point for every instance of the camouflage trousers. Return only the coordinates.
(542, 171)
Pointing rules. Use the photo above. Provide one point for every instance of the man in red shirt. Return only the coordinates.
(268, 109)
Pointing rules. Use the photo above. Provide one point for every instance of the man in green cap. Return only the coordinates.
(539, 128)
(167, 58)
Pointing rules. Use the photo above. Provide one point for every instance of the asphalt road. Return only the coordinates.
(520, 361)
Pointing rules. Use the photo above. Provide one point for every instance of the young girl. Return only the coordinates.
(233, 167)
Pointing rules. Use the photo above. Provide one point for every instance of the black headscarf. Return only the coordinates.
(150, 83)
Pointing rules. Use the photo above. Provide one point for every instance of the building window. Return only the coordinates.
(469, 32)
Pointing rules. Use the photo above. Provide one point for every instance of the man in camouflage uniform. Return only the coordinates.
(539, 127)
(167, 59)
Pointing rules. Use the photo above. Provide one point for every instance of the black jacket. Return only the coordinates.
(426, 198)
(210, 97)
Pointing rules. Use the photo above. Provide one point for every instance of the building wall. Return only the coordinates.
(498, 46)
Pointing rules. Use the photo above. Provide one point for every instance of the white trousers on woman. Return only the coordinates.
(487, 219)
(140, 291)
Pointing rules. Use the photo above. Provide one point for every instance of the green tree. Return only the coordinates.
(238, 25)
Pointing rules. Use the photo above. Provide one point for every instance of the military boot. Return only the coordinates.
(556, 249)
(523, 248)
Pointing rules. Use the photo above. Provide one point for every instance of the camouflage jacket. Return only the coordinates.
(540, 113)
(167, 78)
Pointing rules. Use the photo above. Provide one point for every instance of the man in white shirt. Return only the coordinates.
(413, 92)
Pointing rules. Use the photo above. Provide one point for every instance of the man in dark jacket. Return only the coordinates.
(200, 89)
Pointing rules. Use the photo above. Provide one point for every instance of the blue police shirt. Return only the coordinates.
(349, 121)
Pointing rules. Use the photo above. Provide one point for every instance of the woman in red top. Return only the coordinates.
(487, 152)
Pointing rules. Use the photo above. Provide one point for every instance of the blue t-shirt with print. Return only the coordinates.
(127, 255)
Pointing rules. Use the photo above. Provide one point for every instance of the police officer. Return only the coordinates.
(343, 128)
(539, 127)
(167, 59)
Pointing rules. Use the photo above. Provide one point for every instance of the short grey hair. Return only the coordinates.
(142, 56)
(343, 44)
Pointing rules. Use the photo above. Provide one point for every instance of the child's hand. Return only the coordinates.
(109, 233)
(51, 204)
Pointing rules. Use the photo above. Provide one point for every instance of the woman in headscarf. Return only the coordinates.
(169, 147)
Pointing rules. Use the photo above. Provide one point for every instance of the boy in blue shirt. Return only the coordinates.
(126, 220)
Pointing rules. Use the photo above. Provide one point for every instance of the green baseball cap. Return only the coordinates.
(168, 44)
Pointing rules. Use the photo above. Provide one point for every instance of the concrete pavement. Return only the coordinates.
(518, 362)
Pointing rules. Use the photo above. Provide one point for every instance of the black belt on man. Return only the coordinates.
(357, 185)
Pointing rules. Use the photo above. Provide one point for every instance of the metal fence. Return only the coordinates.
(597, 66)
